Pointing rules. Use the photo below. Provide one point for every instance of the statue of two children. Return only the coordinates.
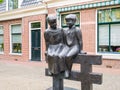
(62, 46)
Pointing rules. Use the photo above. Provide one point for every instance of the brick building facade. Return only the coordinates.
(96, 19)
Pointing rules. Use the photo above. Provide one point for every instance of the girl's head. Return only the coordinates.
(52, 20)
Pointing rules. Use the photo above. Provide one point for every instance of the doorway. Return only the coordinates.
(35, 41)
(35, 45)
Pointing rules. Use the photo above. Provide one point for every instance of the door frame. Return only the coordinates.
(30, 44)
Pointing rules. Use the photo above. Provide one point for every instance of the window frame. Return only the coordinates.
(11, 44)
(2, 52)
(7, 4)
(30, 29)
(109, 24)
(66, 13)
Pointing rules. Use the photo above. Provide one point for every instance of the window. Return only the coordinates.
(109, 30)
(35, 25)
(16, 38)
(1, 39)
(12, 4)
(63, 22)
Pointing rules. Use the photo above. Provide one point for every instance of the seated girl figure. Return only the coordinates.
(73, 42)
(54, 44)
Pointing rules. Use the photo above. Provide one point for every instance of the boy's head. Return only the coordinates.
(52, 20)
(70, 19)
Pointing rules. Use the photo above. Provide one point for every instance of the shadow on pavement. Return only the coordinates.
(65, 88)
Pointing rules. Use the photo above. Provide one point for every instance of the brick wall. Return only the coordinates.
(88, 27)
(26, 21)
(25, 37)
(7, 55)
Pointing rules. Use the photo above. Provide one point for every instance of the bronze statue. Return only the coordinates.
(62, 46)
(54, 44)
(73, 42)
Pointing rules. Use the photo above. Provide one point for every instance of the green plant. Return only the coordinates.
(1, 1)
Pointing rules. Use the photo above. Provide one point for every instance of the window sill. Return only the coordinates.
(110, 56)
(19, 54)
(1, 52)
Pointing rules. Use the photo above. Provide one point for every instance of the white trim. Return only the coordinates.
(17, 54)
(96, 34)
(3, 38)
(30, 29)
(11, 39)
(110, 56)
(6, 5)
(19, 3)
(1, 53)
(29, 40)
(23, 12)
(35, 28)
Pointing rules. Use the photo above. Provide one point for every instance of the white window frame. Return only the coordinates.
(19, 4)
(3, 37)
(11, 53)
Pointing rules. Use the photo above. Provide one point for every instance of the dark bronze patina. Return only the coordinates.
(73, 40)
(62, 46)
(85, 76)
(54, 45)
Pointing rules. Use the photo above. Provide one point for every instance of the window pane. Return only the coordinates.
(101, 16)
(12, 4)
(1, 47)
(103, 37)
(16, 39)
(15, 4)
(16, 28)
(115, 34)
(115, 37)
(63, 22)
(35, 25)
(16, 47)
(109, 15)
(1, 38)
(1, 29)
(116, 14)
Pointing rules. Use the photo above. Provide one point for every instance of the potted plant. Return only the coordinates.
(118, 49)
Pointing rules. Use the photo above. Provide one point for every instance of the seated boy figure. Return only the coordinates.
(73, 42)
(54, 44)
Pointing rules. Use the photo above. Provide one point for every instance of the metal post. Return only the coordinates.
(57, 83)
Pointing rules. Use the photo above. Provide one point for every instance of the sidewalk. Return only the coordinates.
(15, 75)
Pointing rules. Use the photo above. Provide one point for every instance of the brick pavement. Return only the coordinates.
(16, 75)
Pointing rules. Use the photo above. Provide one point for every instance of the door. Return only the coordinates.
(35, 45)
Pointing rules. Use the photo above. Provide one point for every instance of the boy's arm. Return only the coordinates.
(79, 38)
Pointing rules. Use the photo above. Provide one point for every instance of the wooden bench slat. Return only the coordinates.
(95, 78)
(88, 59)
